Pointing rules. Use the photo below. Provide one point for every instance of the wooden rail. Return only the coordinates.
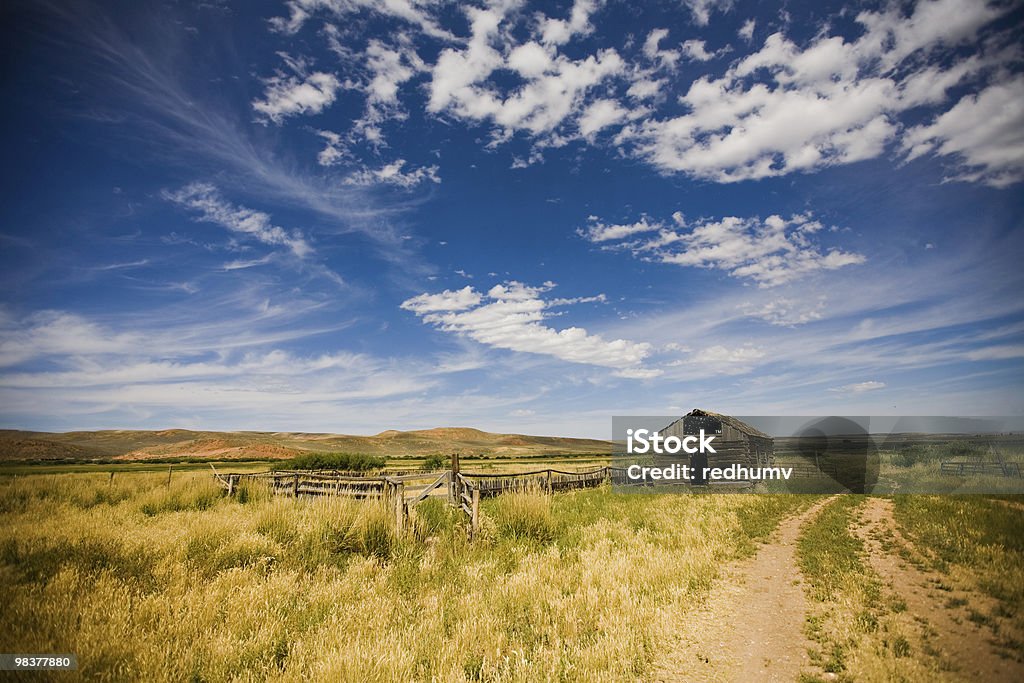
(969, 467)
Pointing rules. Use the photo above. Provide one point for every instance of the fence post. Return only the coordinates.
(475, 518)
(295, 487)
(168, 476)
(399, 490)
(231, 485)
(550, 489)
(454, 487)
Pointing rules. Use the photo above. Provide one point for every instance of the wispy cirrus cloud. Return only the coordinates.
(211, 207)
(859, 387)
(140, 73)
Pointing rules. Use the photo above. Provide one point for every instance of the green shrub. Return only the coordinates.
(359, 462)
(437, 462)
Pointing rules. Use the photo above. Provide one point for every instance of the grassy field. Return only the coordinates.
(154, 583)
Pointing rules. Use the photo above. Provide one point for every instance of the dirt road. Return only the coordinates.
(752, 626)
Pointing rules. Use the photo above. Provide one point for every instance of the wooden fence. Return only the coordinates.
(460, 489)
(969, 467)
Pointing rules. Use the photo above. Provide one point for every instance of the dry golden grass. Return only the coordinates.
(150, 583)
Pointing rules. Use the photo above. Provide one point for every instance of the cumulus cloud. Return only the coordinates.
(388, 67)
(746, 31)
(512, 316)
(300, 11)
(554, 89)
(297, 93)
(560, 31)
(787, 108)
(770, 252)
(599, 115)
(335, 149)
(392, 174)
(789, 105)
(204, 199)
(697, 51)
(701, 9)
(984, 132)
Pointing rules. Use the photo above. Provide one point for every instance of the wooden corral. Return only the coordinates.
(735, 443)
(403, 492)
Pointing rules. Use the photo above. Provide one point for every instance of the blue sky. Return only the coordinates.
(350, 216)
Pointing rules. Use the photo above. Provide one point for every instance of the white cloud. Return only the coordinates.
(746, 31)
(299, 93)
(389, 68)
(701, 9)
(529, 60)
(697, 51)
(392, 174)
(335, 149)
(984, 132)
(560, 31)
(785, 311)
(447, 301)
(721, 360)
(57, 333)
(212, 208)
(598, 231)
(789, 108)
(511, 316)
(770, 252)
(721, 354)
(653, 51)
(300, 11)
(599, 115)
(859, 387)
(554, 89)
(1003, 352)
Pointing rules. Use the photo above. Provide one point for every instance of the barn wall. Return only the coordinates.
(732, 446)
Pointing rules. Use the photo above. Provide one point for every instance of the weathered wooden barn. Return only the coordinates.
(735, 442)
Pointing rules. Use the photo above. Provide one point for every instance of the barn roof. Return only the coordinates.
(738, 425)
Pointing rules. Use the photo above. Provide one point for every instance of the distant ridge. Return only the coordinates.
(141, 445)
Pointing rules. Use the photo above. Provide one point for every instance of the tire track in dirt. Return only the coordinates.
(751, 627)
(938, 613)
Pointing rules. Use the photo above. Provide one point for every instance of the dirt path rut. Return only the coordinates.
(752, 626)
(939, 611)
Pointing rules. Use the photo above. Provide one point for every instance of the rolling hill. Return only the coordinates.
(134, 445)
